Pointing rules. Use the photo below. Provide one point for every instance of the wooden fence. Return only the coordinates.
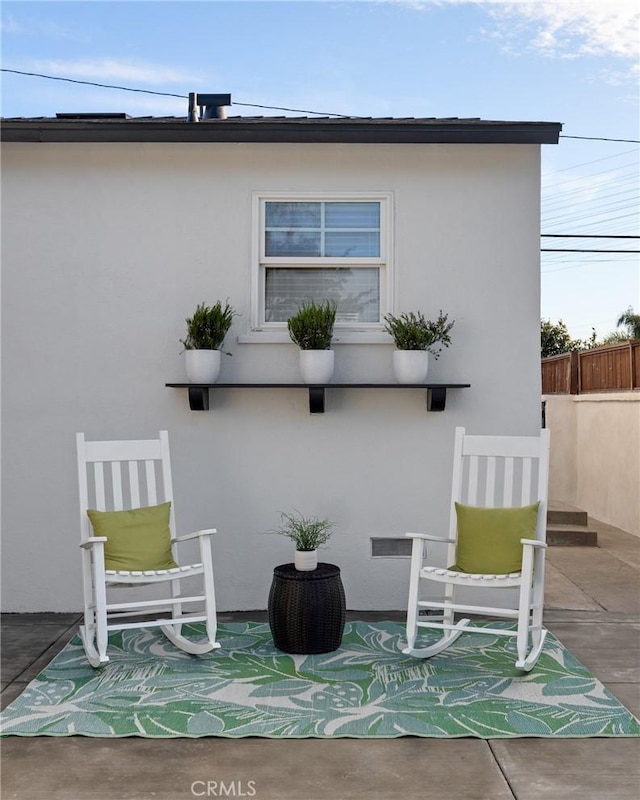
(613, 368)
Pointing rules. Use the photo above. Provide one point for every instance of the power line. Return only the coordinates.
(162, 94)
(236, 103)
(586, 163)
(575, 266)
(297, 110)
(614, 171)
(91, 83)
(565, 250)
(585, 236)
(600, 139)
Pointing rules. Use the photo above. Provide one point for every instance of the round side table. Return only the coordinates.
(307, 610)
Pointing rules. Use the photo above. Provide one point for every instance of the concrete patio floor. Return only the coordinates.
(593, 607)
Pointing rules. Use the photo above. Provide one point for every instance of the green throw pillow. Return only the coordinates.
(489, 538)
(138, 539)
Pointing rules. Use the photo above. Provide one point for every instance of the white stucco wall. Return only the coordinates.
(106, 248)
(595, 455)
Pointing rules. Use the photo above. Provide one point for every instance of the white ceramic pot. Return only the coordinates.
(411, 366)
(316, 366)
(305, 560)
(202, 366)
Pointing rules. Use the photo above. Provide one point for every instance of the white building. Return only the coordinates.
(114, 229)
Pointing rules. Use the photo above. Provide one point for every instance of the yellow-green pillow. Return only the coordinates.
(489, 538)
(138, 539)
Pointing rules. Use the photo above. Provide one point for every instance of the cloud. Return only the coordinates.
(556, 28)
(111, 69)
(9, 25)
(44, 29)
(566, 28)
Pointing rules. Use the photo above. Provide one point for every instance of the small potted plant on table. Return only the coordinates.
(415, 337)
(312, 330)
(206, 330)
(307, 533)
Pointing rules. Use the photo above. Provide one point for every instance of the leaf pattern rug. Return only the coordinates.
(366, 688)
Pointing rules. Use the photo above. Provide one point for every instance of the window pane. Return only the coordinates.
(292, 215)
(352, 215)
(351, 244)
(292, 243)
(356, 292)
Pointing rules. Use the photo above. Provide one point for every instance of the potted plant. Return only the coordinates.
(415, 337)
(312, 330)
(307, 533)
(206, 330)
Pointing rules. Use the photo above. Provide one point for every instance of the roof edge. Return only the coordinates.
(281, 129)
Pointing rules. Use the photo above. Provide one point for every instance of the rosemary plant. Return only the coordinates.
(411, 331)
(208, 326)
(312, 327)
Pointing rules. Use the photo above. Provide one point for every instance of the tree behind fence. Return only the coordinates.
(614, 368)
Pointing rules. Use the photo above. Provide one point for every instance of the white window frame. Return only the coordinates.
(361, 332)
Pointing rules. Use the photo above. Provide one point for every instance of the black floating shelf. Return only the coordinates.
(199, 392)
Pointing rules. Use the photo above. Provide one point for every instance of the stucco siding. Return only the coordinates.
(106, 248)
(595, 455)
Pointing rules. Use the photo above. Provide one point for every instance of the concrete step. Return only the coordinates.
(562, 535)
(566, 516)
(568, 526)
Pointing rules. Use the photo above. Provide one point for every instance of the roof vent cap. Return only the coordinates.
(208, 106)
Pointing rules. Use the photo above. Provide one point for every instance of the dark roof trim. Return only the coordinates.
(281, 129)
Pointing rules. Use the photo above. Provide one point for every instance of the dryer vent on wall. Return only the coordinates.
(390, 548)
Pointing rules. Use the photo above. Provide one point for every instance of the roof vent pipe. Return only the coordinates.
(193, 115)
(208, 106)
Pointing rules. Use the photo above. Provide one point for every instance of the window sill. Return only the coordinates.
(339, 337)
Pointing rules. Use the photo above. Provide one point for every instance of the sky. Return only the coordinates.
(571, 61)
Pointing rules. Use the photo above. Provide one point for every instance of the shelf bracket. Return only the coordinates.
(316, 399)
(436, 398)
(198, 398)
(199, 392)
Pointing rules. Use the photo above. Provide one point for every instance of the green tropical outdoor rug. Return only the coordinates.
(367, 688)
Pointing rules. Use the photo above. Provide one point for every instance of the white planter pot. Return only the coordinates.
(316, 366)
(305, 560)
(202, 366)
(411, 366)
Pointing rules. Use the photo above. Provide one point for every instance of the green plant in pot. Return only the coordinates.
(415, 338)
(206, 331)
(308, 534)
(312, 330)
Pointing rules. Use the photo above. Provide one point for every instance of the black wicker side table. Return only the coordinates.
(307, 610)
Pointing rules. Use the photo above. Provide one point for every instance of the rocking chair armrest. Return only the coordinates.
(185, 537)
(534, 543)
(88, 543)
(429, 537)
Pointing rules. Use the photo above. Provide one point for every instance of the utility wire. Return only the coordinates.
(91, 83)
(565, 250)
(162, 94)
(252, 105)
(599, 139)
(631, 165)
(584, 236)
(594, 161)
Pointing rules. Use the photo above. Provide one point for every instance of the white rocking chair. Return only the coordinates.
(138, 476)
(492, 472)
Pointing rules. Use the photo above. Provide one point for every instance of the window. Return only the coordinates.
(323, 248)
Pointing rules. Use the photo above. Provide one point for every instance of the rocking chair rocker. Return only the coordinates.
(495, 542)
(131, 546)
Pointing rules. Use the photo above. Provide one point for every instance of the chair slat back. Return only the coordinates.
(500, 471)
(118, 475)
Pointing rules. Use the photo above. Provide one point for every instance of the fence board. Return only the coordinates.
(612, 368)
